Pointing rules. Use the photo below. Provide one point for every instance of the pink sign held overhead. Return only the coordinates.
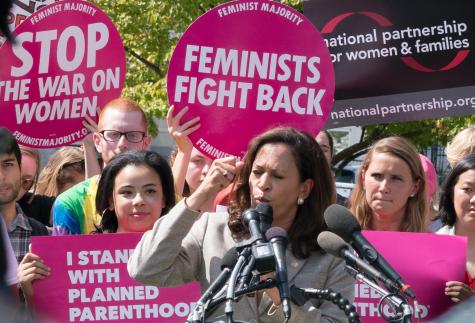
(246, 66)
(89, 282)
(68, 61)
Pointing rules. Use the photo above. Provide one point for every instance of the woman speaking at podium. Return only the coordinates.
(283, 167)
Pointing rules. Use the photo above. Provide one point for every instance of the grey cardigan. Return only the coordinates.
(180, 249)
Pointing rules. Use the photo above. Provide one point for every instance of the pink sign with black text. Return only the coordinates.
(68, 60)
(246, 66)
(89, 282)
(425, 261)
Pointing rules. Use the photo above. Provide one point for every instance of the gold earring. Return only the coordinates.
(300, 200)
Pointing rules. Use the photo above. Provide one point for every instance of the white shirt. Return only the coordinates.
(449, 230)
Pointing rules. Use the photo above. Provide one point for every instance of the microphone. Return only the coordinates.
(265, 221)
(246, 274)
(227, 263)
(278, 239)
(337, 247)
(261, 250)
(251, 220)
(266, 216)
(342, 222)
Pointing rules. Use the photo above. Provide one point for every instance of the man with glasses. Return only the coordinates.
(122, 126)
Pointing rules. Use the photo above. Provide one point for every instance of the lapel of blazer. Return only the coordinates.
(294, 265)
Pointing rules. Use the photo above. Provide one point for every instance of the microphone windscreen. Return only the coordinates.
(229, 259)
(331, 243)
(341, 221)
(276, 232)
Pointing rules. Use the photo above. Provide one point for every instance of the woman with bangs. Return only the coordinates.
(457, 213)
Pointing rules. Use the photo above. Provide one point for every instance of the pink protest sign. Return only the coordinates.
(425, 261)
(68, 61)
(246, 66)
(89, 282)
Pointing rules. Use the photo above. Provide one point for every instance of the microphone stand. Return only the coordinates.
(231, 291)
(397, 302)
(260, 285)
(299, 297)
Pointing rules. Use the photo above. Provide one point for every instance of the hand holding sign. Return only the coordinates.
(30, 269)
(458, 291)
(180, 131)
(90, 125)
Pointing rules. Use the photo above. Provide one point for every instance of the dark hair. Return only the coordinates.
(9, 145)
(5, 8)
(106, 183)
(446, 203)
(311, 164)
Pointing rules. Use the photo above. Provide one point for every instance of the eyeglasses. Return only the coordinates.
(27, 183)
(114, 135)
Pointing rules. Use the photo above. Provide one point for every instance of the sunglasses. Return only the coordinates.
(27, 183)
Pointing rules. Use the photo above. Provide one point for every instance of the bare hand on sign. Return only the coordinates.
(458, 291)
(180, 132)
(90, 157)
(30, 269)
(90, 125)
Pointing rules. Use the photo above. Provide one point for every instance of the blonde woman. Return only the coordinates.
(461, 145)
(390, 192)
(64, 169)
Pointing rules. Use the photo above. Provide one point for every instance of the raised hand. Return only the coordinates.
(179, 131)
(92, 165)
(90, 125)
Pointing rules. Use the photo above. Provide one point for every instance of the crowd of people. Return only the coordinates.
(174, 203)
